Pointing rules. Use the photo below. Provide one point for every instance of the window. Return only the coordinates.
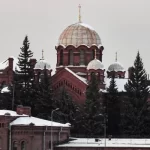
(82, 57)
(14, 145)
(23, 145)
(70, 57)
(61, 57)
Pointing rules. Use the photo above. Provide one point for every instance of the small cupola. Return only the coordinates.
(97, 67)
(117, 69)
(40, 66)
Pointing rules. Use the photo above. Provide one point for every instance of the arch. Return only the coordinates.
(15, 145)
(23, 145)
(82, 62)
(61, 57)
(70, 57)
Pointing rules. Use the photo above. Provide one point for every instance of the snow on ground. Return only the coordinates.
(37, 122)
(86, 142)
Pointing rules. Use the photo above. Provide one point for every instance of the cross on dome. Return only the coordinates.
(116, 56)
(79, 13)
(42, 54)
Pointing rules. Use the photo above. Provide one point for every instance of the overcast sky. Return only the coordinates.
(123, 26)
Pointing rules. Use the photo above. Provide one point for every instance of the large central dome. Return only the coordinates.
(79, 34)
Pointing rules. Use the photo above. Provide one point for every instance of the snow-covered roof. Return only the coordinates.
(41, 65)
(5, 90)
(37, 122)
(5, 64)
(86, 142)
(116, 66)
(95, 64)
(80, 78)
(12, 113)
(78, 34)
(80, 73)
(120, 82)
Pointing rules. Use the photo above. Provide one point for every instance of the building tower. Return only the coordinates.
(76, 47)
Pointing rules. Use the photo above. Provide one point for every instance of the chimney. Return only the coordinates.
(19, 110)
(33, 62)
(130, 70)
(27, 110)
(10, 63)
(23, 110)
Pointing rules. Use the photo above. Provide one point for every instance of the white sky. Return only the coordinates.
(123, 25)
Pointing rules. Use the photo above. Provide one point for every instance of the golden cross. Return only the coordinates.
(116, 56)
(79, 13)
(42, 54)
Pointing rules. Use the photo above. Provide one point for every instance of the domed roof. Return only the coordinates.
(116, 66)
(79, 34)
(95, 64)
(41, 65)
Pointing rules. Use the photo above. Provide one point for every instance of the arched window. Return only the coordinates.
(15, 145)
(100, 55)
(61, 57)
(70, 57)
(82, 57)
(23, 145)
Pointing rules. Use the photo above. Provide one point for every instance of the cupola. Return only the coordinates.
(96, 66)
(40, 66)
(117, 69)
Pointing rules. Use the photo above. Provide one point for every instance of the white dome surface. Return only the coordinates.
(95, 64)
(79, 34)
(41, 65)
(116, 66)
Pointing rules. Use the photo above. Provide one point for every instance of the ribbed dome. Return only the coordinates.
(116, 66)
(95, 64)
(79, 34)
(41, 65)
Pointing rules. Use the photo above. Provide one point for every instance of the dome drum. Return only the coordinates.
(76, 57)
(117, 70)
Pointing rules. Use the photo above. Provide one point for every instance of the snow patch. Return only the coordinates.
(80, 78)
(37, 122)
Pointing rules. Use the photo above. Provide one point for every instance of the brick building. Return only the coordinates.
(79, 54)
(20, 131)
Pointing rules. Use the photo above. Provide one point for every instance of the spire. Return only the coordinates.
(42, 54)
(95, 54)
(116, 57)
(79, 13)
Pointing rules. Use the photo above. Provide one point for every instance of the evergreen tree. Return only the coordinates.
(44, 97)
(135, 120)
(93, 116)
(113, 108)
(24, 76)
(67, 107)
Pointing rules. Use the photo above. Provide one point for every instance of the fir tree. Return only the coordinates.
(67, 107)
(113, 108)
(135, 120)
(44, 97)
(24, 76)
(93, 111)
